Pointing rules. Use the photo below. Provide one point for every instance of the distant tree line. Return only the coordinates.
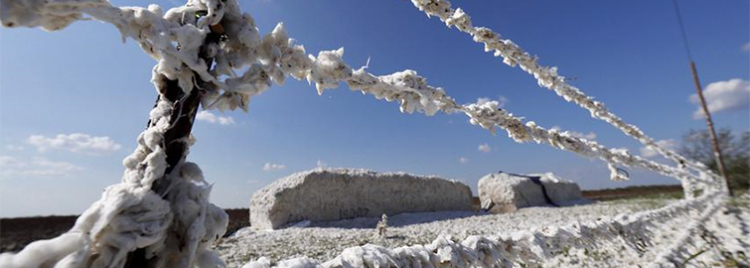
(697, 145)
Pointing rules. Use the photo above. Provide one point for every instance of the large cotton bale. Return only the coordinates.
(504, 192)
(560, 191)
(335, 194)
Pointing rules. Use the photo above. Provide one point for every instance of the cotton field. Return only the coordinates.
(723, 236)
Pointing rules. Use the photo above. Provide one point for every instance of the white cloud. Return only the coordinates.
(12, 167)
(646, 151)
(76, 142)
(588, 136)
(746, 47)
(485, 148)
(9, 161)
(463, 160)
(14, 148)
(731, 95)
(272, 167)
(322, 164)
(501, 100)
(214, 119)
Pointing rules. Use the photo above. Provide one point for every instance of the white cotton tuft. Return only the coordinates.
(328, 69)
(262, 262)
(36, 13)
(156, 164)
(39, 253)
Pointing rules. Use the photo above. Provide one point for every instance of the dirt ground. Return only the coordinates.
(632, 192)
(16, 233)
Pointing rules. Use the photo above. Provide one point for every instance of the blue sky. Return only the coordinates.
(627, 54)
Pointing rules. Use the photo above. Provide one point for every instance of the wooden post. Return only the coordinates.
(182, 118)
(710, 123)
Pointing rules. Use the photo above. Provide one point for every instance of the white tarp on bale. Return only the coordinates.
(334, 194)
(504, 192)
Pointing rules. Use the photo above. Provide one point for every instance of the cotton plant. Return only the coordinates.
(159, 215)
(382, 227)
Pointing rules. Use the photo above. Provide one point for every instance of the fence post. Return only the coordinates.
(182, 119)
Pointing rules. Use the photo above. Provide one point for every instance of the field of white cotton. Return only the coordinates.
(726, 235)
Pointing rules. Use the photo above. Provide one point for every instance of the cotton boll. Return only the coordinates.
(240, 57)
(222, 66)
(295, 62)
(486, 36)
(272, 45)
(190, 39)
(41, 14)
(156, 164)
(132, 176)
(156, 10)
(209, 97)
(209, 259)
(409, 104)
(216, 222)
(169, 66)
(132, 161)
(215, 13)
(149, 220)
(280, 37)
(275, 74)
(302, 262)
(249, 36)
(113, 226)
(234, 101)
(42, 252)
(364, 81)
(366, 256)
(273, 57)
(255, 81)
(191, 172)
(199, 222)
(262, 262)
(244, 102)
(439, 8)
(221, 102)
(19, 13)
(152, 138)
(408, 87)
(245, 31)
(163, 108)
(461, 20)
(129, 218)
(328, 69)
(145, 18)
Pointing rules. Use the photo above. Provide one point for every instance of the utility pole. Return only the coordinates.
(699, 88)
(710, 123)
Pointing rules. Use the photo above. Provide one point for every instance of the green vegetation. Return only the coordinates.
(697, 145)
